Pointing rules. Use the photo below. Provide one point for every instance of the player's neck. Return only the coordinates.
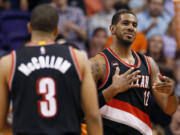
(39, 37)
(121, 50)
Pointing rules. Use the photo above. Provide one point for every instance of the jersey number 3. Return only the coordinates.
(46, 87)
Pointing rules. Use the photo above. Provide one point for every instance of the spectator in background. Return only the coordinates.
(169, 7)
(98, 41)
(121, 4)
(4, 4)
(26, 5)
(72, 23)
(77, 3)
(170, 44)
(155, 50)
(174, 127)
(154, 20)
(102, 18)
(137, 5)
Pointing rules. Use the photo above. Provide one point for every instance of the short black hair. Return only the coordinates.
(97, 30)
(116, 17)
(44, 18)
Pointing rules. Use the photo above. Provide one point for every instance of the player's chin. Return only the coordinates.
(129, 39)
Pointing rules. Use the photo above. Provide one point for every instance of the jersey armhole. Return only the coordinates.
(12, 71)
(148, 64)
(108, 70)
(75, 61)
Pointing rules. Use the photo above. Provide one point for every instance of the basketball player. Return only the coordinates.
(48, 83)
(125, 80)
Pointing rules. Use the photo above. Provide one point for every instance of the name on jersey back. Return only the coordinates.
(45, 62)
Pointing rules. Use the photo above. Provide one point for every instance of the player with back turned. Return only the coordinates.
(49, 84)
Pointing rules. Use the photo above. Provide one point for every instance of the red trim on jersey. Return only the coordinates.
(148, 63)
(12, 69)
(129, 65)
(76, 63)
(108, 70)
(121, 105)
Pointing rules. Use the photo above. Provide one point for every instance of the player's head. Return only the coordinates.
(44, 18)
(124, 27)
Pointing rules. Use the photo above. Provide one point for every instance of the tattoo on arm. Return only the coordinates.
(95, 71)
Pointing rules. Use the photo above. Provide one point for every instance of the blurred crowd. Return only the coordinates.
(85, 23)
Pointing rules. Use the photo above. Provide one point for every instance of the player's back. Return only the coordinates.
(45, 89)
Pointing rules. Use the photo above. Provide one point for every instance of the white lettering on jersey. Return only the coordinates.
(42, 62)
(143, 82)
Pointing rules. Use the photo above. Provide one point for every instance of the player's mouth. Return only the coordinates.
(129, 35)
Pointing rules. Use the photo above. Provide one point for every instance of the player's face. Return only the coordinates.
(126, 29)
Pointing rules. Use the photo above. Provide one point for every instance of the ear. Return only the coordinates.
(113, 29)
(56, 32)
(29, 27)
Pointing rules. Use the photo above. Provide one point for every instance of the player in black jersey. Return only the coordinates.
(125, 80)
(49, 84)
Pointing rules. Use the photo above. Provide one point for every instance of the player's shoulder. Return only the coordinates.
(6, 60)
(97, 59)
(6, 64)
(98, 66)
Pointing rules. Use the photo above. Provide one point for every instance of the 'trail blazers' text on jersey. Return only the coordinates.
(127, 113)
(45, 88)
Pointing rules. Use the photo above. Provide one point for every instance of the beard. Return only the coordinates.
(125, 43)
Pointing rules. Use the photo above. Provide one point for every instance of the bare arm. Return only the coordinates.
(5, 64)
(89, 98)
(162, 89)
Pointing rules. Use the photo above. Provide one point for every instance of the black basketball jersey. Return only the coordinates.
(45, 90)
(126, 113)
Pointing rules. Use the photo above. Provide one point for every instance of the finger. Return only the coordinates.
(160, 76)
(117, 71)
(163, 85)
(167, 79)
(134, 86)
(163, 91)
(134, 73)
(133, 79)
(129, 71)
(164, 78)
(163, 88)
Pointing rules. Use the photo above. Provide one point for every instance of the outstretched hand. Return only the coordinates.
(165, 86)
(123, 82)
